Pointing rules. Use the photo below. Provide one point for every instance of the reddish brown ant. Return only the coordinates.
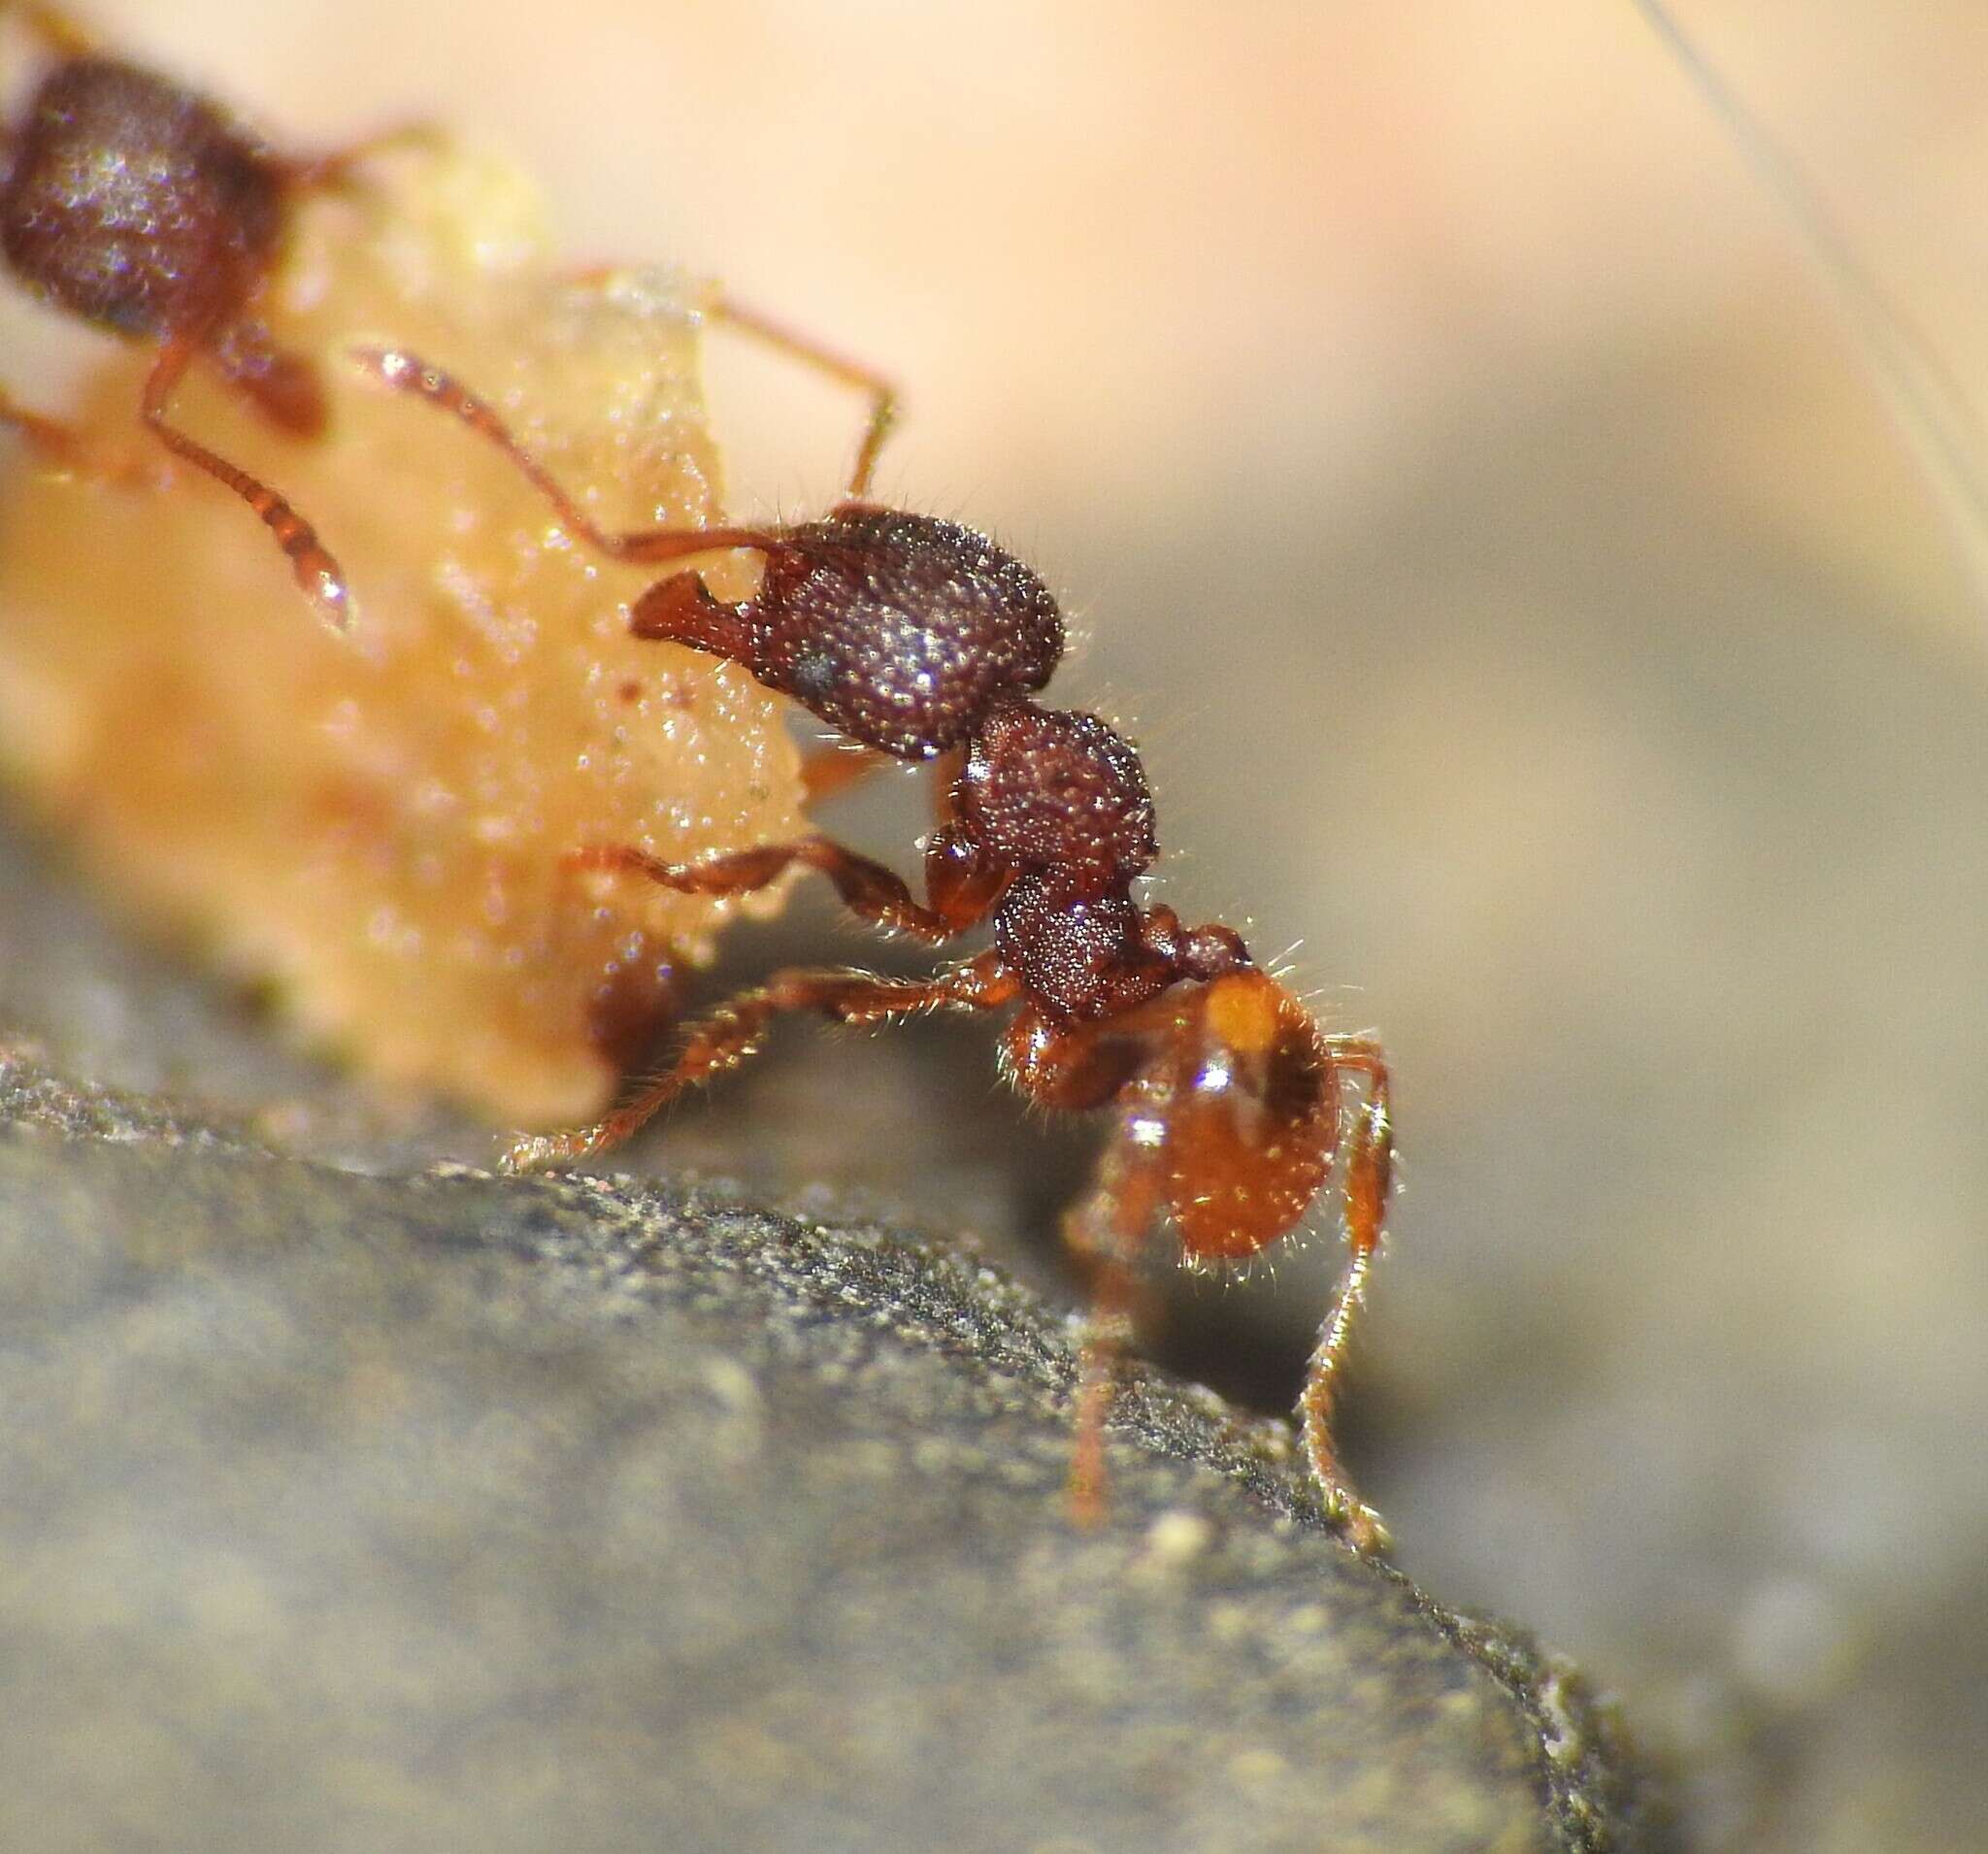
(923, 640)
(141, 207)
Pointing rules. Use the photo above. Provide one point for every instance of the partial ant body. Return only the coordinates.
(920, 639)
(141, 207)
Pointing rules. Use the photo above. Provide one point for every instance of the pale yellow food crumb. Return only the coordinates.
(377, 825)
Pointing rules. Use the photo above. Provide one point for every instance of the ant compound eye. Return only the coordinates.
(901, 631)
(1056, 790)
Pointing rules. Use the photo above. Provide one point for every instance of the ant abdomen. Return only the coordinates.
(189, 212)
(1246, 1113)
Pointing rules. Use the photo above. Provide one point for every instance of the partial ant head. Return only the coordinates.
(899, 630)
(136, 204)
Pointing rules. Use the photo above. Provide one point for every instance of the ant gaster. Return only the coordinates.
(920, 639)
(143, 208)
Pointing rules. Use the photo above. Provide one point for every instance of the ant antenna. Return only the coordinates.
(1939, 421)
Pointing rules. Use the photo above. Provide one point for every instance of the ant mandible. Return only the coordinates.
(142, 207)
(920, 639)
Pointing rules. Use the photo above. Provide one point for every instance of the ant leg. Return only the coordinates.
(323, 173)
(735, 1031)
(1370, 1171)
(867, 891)
(1107, 1232)
(64, 445)
(63, 36)
(286, 387)
(317, 573)
(831, 770)
(1073, 1069)
(884, 400)
(407, 372)
(827, 772)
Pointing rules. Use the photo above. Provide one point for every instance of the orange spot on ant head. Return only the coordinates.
(1242, 1011)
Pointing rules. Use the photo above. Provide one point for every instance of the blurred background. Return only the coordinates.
(1528, 611)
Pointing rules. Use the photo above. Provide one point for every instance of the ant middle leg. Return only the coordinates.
(317, 573)
(1107, 1232)
(868, 889)
(827, 772)
(65, 446)
(735, 1032)
(285, 388)
(1370, 1173)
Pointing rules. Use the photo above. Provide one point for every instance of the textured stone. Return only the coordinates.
(453, 1511)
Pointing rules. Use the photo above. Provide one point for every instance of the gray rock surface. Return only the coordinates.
(446, 1511)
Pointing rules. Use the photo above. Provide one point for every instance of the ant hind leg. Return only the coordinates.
(1106, 1232)
(1369, 1170)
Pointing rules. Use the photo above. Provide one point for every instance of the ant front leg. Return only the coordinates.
(64, 446)
(286, 388)
(62, 36)
(736, 1030)
(884, 397)
(1370, 1174)
(406, 372)
(323, 173)
(835, 767)
(317, 573)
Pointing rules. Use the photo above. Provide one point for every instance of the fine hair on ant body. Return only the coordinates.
(920, 639)
(141, 207)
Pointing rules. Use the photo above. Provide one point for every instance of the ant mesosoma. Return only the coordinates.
(920, 639)
(137, 204)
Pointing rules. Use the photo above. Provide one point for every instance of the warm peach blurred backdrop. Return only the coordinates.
(1520, 595)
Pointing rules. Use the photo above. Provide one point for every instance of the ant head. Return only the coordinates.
(1053, 790)
(134, 203)
(901, 630)
(1248, 1115)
